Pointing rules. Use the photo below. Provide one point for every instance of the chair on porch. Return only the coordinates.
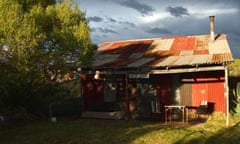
(203, 108)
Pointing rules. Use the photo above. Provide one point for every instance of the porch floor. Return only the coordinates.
(103, 115)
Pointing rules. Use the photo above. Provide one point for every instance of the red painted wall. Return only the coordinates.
(210, 87)
(199, 93)
(93, 93)
(216, 95)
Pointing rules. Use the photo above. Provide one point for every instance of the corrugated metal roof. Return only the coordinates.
(162, 52)
(183, 43)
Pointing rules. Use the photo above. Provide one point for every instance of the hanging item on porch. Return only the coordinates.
(97, 75)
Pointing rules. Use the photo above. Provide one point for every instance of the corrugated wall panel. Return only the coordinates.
(199, 93)
(210, 87)
(216, 96)
(186, 94)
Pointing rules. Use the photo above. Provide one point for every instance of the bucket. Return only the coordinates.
(53, 119)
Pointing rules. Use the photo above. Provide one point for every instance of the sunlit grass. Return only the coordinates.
(90, 131)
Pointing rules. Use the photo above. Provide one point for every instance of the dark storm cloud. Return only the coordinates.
(140, 7)
(177, 11)
(157, 30)
(95, 19)
(234, 45)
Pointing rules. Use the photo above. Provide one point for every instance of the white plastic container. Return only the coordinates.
(53, 119)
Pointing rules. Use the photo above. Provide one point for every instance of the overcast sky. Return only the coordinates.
(136, 19)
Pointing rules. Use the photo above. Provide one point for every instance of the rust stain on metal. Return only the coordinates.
(166, 51)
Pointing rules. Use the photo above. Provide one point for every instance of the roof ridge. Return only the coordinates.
(155, 38)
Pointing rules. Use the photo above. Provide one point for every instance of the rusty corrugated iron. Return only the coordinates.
(161, 52)
(207, 86)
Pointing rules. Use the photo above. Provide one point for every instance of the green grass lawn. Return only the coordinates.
(90, 131)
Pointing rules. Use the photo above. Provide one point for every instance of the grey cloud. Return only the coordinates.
(117, 21)
(104, 36)
(103, 30)
(177, 11)
(159, 31)
(140, 7)
(95, 19)
(107, 30)
(93, 29)
(112, 20)
(127, 23)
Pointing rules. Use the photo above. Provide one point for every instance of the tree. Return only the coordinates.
(37, 36)
(234, 81)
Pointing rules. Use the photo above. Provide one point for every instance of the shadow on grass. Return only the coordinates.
(95, 131)
(223, 136)
(87, 131)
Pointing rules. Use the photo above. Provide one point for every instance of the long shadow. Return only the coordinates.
(86, 131)
(95, 131)
(223, 136)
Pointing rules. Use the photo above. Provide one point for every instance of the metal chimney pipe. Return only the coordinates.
(212, 27)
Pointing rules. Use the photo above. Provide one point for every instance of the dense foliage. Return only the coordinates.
(37, 39)
(234, 85)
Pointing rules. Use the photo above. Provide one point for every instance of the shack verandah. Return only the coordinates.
(142, 76)
(183, 70)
